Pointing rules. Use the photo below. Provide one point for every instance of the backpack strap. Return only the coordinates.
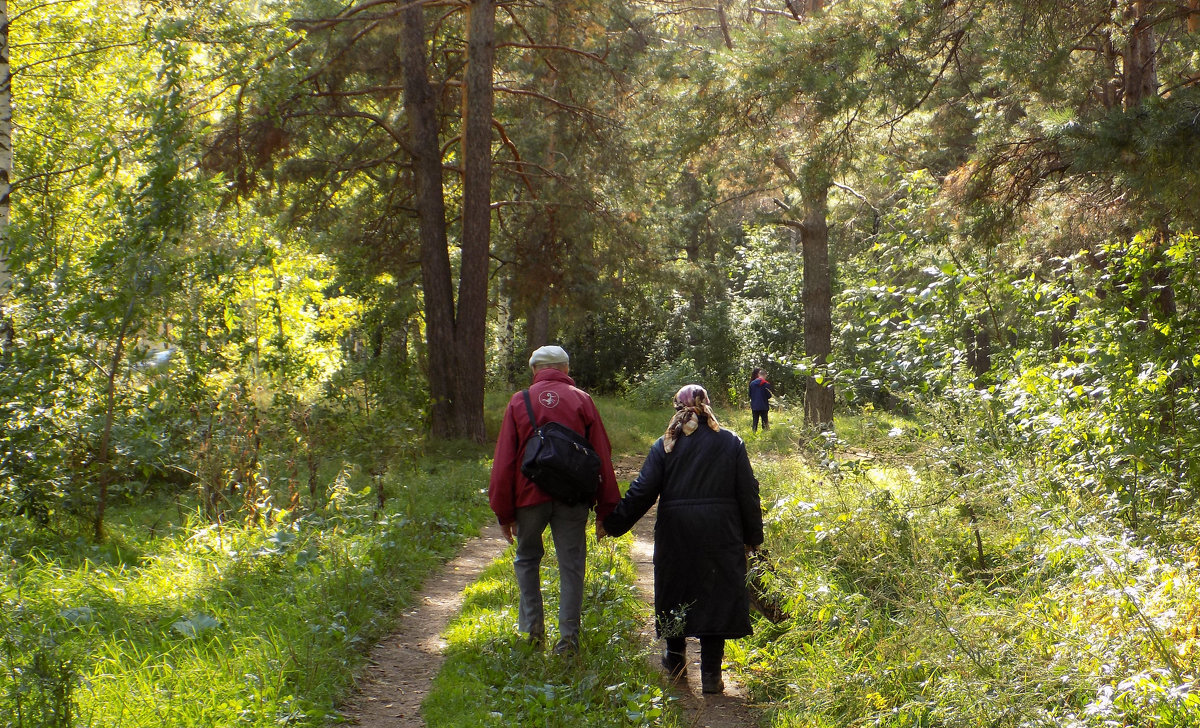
(533, 423)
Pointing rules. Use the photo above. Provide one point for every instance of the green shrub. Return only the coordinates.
(658, 387)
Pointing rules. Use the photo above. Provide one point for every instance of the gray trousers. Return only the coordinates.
(568, 527)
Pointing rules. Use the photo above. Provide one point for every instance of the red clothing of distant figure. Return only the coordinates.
(555, 398)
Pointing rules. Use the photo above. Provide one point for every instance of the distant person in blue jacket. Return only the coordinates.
(760, 399)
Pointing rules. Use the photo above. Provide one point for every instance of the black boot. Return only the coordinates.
(675, 664)
(712, 653)
(711, 682)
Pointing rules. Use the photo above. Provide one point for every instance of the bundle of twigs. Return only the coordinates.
(760, 572)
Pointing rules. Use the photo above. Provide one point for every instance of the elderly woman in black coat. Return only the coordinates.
(709, 517)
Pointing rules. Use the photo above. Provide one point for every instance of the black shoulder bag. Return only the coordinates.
(560, 461)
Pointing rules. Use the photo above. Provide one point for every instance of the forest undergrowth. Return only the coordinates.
(178, 621)
(928, 581)
(934, 581)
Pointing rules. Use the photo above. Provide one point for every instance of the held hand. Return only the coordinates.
(600, 532)
(508, 529)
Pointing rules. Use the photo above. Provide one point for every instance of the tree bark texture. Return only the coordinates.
(723, 17)
(1140, 62)
(6, 157)
(471, 322)
(455, 338)
(537, 330)
(818, 303)
(979, 353)
(693, 235)
(506, 319)
(420, 105)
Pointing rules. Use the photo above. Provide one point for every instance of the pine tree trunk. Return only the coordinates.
(723, 17)
(818, 303)
(420, 106)
(455, 341)
(1140, 73)
(471, 323)
(537, 323)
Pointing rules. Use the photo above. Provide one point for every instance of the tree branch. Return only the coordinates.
(76, 54)
(551, 47)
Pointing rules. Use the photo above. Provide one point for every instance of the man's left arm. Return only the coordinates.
(503, 483)
(609, 494)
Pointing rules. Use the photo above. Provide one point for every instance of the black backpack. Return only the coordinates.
(560, 461)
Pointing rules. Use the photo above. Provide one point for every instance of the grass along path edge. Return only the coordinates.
(401, 667)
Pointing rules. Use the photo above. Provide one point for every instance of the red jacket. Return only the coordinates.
(555, 398)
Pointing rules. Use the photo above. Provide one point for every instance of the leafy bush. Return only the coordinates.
(934, 577)
(658, 387)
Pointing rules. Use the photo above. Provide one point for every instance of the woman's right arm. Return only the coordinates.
(642, 494)
(749, 503)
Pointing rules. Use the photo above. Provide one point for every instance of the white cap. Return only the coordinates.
(549, 355)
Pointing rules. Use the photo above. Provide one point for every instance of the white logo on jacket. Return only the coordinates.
(548, 399)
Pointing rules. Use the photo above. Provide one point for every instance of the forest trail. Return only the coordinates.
(403, 665)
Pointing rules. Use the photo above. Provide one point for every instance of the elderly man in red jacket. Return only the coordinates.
(524, 510)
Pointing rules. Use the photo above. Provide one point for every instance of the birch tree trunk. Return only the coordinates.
(6, 159)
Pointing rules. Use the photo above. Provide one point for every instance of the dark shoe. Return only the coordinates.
(537, 640)
(674, 664)
(567, 646)
(711, 682)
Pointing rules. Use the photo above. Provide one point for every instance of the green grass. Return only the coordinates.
(894, 621)
(632, 430)
(205, 625)
(492, 677)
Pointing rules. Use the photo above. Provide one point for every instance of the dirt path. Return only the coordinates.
(403, 665)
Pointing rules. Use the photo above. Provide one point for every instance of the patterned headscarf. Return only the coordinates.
(691, 405)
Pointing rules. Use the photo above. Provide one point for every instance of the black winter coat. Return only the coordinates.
(708, 512)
